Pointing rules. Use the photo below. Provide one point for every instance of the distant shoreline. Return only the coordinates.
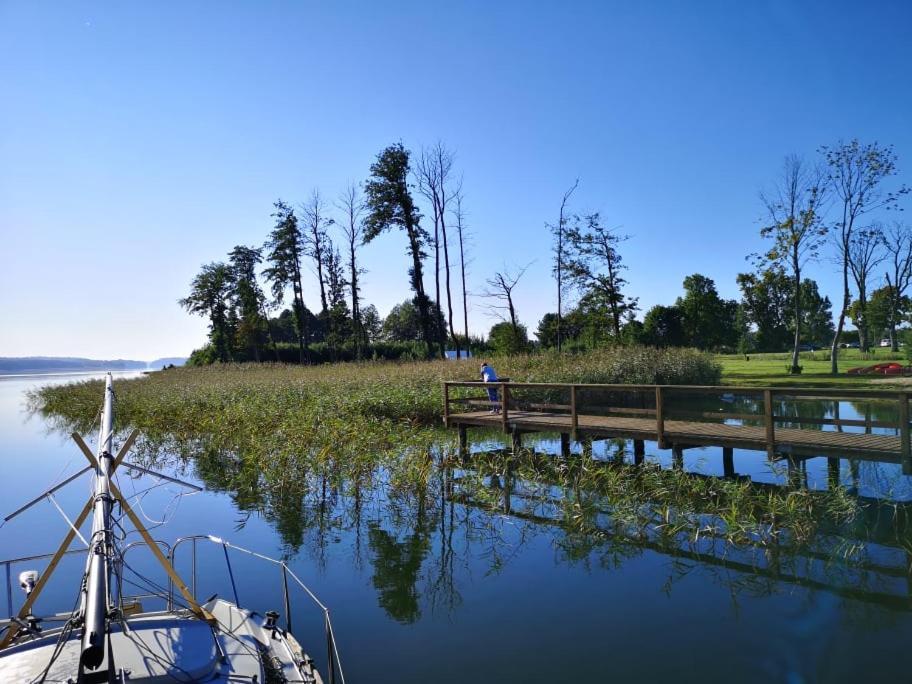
(38, 373)
(55, 365)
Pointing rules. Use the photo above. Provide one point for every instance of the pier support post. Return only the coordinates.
(770, 422)
(677, 457)
(660, 418)
(639, 451)
(565, 445)
(463, 442)
(728, 462)
(904, 437)
(517, 440)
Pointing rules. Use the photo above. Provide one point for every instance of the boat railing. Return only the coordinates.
(334, 664)
(333, 661)
(8, 572)
(121, 560)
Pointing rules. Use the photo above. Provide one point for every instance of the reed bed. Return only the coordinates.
(264, 431)
(342, 419)
(600, 499)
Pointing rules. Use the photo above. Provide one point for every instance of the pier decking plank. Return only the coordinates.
(803, 442)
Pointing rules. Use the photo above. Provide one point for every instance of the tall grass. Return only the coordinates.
(274, 434)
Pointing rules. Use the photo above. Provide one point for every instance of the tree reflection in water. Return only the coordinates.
(426, 534)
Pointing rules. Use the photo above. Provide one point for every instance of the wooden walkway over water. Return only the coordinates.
(766, 419)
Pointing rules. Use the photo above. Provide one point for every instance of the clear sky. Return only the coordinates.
(141, 140)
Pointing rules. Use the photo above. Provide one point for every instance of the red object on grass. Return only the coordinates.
(891, 368)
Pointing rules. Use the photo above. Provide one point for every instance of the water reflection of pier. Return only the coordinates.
(869, 560)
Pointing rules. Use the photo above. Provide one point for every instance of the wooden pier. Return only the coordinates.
(670, 415)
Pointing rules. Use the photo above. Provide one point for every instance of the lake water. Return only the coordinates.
(423, 588)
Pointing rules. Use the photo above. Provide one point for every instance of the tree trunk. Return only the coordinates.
(796, 268)
(864, 340)
(846, 300)
(418, 287)
(301, 324)
(465, 297)
(319, 260)
(269, 337)
(449, 295)
(356, 307)
(440, 325)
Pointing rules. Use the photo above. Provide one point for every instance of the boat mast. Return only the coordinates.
(96, 599)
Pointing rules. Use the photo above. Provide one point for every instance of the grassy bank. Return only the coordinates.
(772, 369)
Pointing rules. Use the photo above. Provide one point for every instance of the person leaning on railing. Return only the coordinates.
(489, 375)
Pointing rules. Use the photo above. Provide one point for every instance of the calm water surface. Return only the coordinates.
(423, 589)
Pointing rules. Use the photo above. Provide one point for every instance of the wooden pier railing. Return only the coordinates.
(671, 416)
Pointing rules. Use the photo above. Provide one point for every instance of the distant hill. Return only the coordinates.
(68, 364)
(168, 361)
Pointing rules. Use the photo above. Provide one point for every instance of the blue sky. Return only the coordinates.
(140, 140)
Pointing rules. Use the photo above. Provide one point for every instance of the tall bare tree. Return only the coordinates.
(433, 171)
(856, 172)
(898, 245)
(462, 232)
(316, 241)
(351, 205)
(560, 256)
(864, 255)
(794, 210)
(500, 289)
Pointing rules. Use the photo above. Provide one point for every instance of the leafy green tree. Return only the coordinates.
(632, 334)
(765, 299)
(856, 175)
(506, 338)
(285, 248)
(570, 327)
(282, 327)
(371, 323)
(708, 320)
(794, 210)
(816, 314)
(338, 318)
(594, 265)
(880, 311)
(663, 326)
(248, 299)
(390, 205)
(403, 323)
(210, 295)
(898, 245)
(767, 304)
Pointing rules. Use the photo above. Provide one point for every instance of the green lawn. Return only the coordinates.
(770, 369)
